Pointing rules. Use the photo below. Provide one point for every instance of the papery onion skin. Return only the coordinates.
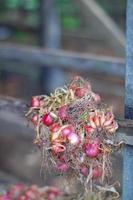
(58, 148)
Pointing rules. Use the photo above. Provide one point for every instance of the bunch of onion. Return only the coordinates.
(33, 192)
(75, 132)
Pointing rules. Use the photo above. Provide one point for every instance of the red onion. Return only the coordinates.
(35, 102)
(84, 170)
(62, 167)
(92, 149)
(51, 196)
(5, 197)
(55, 127)
(73, 138)
(96, 97)
(30, 194)
(68, 129)
(53, 193)
(48, 119)
(97, 172)
(34, 119)
(82, 91)
(15, 190)
(88, 129)
(63, 112)
(23, 197)
(58, 148)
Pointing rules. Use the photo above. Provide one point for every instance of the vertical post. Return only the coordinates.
(50, 25)
(50, 38)
(128, 151)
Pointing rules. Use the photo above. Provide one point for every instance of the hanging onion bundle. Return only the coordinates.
(75, 132)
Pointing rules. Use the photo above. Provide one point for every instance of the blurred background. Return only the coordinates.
(67, 38)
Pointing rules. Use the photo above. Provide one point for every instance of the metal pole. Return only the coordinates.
(128, 151)
(51, 38)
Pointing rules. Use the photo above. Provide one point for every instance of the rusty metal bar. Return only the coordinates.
(128, 151)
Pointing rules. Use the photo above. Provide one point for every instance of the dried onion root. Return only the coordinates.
(75, 131)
